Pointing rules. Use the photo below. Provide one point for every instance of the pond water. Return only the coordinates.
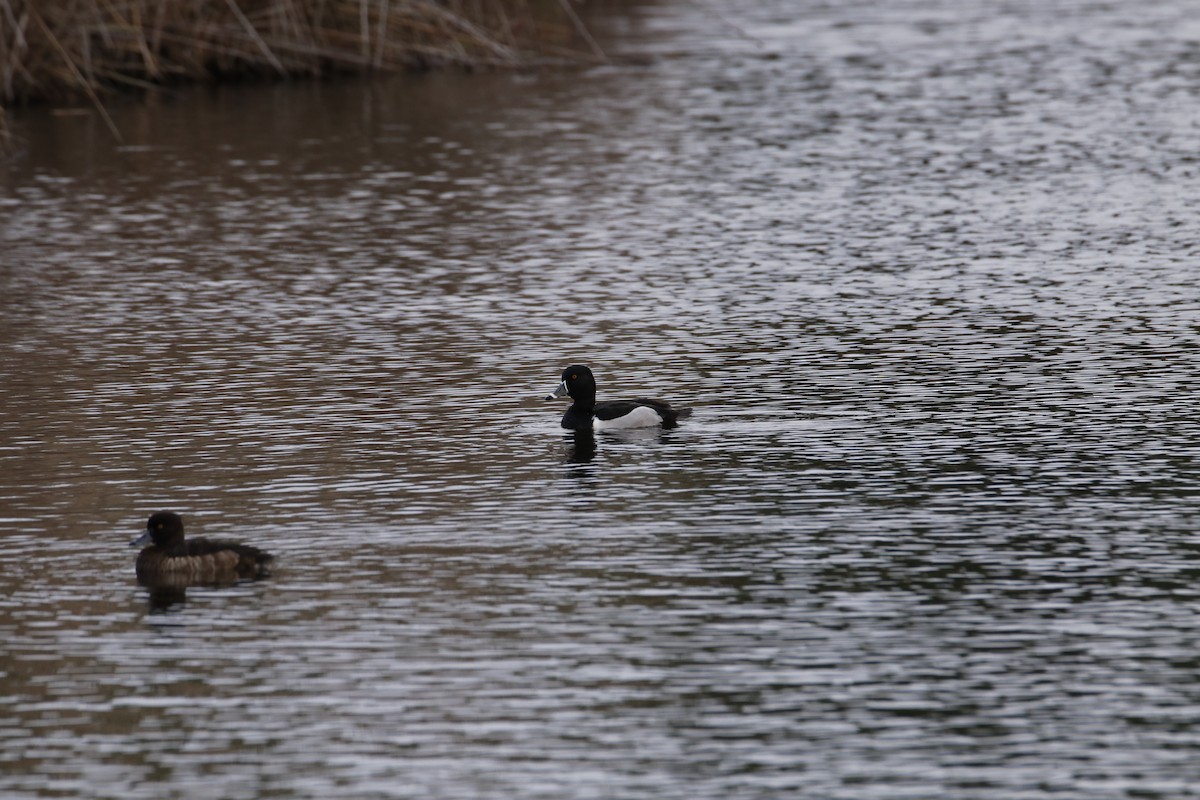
(926, 271)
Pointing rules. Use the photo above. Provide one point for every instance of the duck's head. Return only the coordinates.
(577, 383)
(164, 529)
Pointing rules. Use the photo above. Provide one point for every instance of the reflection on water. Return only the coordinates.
(166, 598)
(924, 272)
(581, 448)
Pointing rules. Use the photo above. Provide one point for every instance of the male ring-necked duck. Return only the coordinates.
(586, 414)
(170, 560)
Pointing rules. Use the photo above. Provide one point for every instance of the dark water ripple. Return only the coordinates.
(924, 269)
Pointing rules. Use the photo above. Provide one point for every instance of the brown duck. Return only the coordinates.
(170, 560)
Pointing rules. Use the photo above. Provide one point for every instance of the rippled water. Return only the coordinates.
(926, 272)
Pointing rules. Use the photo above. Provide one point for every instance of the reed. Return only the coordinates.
(50, 49)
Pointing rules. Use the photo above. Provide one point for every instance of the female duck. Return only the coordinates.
(586, 414)
(170, 560)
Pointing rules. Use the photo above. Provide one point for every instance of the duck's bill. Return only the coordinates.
(141, 540)
(561, 391)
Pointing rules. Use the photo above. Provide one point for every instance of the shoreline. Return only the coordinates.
(62, 50)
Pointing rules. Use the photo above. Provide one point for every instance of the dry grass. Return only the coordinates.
(54, 48)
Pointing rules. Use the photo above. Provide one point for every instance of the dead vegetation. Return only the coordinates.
(53, 49)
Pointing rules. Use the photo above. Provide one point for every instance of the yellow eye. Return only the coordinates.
(573, 377)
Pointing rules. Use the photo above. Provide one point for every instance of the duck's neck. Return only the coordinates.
(579, 416)
(582, 409)
(584, 400)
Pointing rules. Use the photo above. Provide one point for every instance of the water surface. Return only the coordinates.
(924, 270)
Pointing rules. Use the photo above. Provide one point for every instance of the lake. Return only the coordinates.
(925, 271)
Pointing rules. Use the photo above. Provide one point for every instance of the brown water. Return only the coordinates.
(926, 271)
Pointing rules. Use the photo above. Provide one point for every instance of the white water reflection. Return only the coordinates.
(922, 271)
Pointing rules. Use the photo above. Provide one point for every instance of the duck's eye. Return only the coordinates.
(573, 377)
(158, 526)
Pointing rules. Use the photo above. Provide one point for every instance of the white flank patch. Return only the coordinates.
(640, 417)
